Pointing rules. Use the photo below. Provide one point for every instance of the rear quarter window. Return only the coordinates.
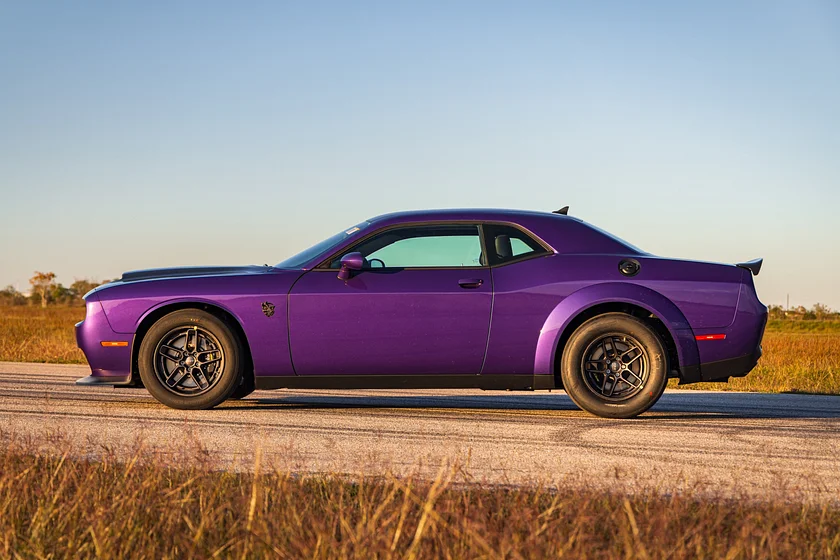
(507, 244)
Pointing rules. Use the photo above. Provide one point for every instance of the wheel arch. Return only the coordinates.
(653, 308)
(156, 313)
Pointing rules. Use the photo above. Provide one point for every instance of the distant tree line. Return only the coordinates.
(46, 291)
(819, 312)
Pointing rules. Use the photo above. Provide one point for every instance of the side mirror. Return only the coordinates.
(349, 263)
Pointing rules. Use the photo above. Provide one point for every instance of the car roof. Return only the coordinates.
(468, 214)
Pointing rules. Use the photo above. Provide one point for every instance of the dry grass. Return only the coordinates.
(56, 505)
(805, 360)
(792, 362)
(34, 334)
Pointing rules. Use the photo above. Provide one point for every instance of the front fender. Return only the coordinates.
(184, 299)
(266, 338)
(576, 303)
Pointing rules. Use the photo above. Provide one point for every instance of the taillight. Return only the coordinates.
(710, 337)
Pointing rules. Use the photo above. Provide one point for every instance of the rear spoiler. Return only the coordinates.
(753, 266)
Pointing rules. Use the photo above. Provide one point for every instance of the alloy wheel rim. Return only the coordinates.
(615, 367)
(189, 361)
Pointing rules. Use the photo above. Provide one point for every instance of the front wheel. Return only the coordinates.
(191, 359)
(246, 387)
(614, 366)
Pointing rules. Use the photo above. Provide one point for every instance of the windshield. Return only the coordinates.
(297, 261)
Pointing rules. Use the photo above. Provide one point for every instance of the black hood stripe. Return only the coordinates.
(155, 273)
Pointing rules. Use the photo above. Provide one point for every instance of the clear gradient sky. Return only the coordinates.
(146, 134)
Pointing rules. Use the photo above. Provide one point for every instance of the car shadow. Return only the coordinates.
(679, 404)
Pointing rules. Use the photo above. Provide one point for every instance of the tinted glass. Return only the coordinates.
(421, 247)
(507, 243)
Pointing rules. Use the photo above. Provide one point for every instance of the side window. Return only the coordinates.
(507, 243)
(421, 247)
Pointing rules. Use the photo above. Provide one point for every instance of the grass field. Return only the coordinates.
(57, 501)
(54, 505)
(35, 334)
(807, 362)
(802, 356)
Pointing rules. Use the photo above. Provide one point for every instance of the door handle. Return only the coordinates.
(470, 283)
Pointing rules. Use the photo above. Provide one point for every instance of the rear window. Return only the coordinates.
(610, 236)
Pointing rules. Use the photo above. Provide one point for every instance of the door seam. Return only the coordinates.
(490, 322)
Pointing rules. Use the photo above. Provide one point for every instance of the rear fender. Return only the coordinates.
(576, 303)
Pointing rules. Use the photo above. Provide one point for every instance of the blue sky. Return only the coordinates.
(146, 134)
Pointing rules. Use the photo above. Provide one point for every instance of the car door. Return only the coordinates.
(420, 305)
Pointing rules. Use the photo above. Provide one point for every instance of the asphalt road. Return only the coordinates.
(724, 442)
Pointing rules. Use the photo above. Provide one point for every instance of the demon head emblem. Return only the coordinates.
(268, 308)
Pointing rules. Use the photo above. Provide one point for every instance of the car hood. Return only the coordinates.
(190, 271)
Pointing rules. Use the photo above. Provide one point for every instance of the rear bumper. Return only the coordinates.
(738, 352)
(721, 370)
(733, 367)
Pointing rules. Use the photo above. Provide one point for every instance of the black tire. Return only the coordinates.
(631, 357)
(168, 372)
(246, 387)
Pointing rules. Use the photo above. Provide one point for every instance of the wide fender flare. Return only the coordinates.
(566, 311)
(157, 306)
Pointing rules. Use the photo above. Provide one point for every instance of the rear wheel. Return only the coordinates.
(614, 366)
(191, 359)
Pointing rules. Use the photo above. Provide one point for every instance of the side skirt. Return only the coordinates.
(487, 382)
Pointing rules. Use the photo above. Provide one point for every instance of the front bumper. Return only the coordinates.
(100, 377)
(108, 365)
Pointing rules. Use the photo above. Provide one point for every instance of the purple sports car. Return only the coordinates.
(490, 299)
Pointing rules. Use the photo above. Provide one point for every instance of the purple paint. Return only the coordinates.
(497, 320)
